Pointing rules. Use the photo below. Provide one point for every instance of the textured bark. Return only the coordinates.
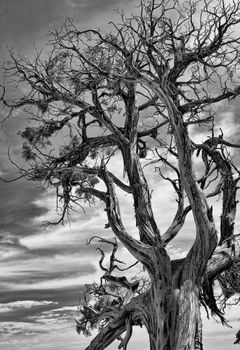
(172, 318)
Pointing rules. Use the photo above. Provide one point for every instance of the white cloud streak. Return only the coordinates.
(23, 304)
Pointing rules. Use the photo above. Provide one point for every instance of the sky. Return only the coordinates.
(43, 272)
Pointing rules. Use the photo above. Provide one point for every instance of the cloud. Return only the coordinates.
(24, 20)
(51, 323)
(10, 250)
(80, 229)
(22, 304)
(53, 316)
(48, 272)
(76, 4)
(94, 6)
(69, 295)
(64, 309)
(18, 209)
(216, 336)
(25, 23)
(40, 336)
(25, 328)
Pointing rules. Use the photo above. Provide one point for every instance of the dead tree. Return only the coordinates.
(133, 93)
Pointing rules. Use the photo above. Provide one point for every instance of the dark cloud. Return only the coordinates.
(68, 296)
(32, 276)
(17, 207)
(22, 314)
(24, 22)
(53, 273)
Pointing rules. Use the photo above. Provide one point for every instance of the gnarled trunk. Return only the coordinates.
(172, 317)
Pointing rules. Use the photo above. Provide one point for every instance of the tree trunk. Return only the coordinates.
(172, 318)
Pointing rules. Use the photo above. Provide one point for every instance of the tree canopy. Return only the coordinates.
(142, 93)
